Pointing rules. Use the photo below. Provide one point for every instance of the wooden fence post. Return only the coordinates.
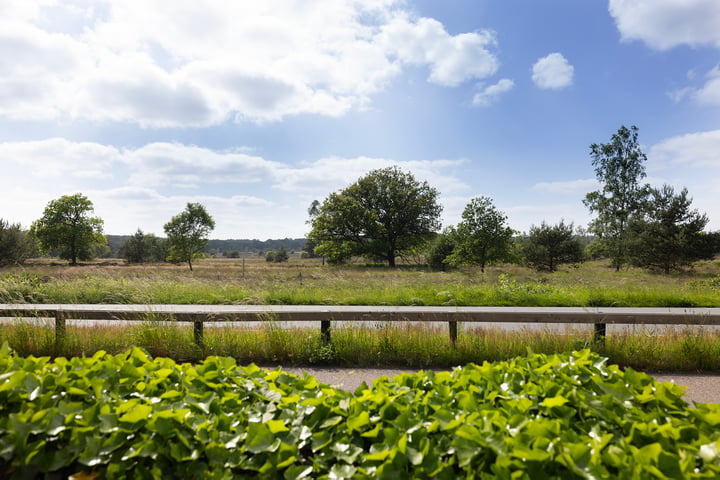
(453, 328)
(599, 334)
(325, 331)
(198, 333)
(60, 331)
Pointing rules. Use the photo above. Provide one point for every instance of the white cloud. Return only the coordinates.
(141, 187)
(567, 188)
(488, 95)
(691, 150)
(664, 24)
(709, 94)
(553, 72)
(200, 64)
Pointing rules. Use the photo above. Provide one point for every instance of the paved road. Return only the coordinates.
(700, 388)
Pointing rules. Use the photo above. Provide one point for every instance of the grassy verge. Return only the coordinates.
(399, 345)
(305, 282)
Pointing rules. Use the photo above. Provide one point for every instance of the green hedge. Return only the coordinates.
(540, 416)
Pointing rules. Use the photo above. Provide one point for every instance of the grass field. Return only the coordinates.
(226, 281)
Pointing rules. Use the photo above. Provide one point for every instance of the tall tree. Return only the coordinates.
(619, 168)
(144, 248)
(16, 245)
(384, 214)
(67, 225)
(548, 246)
(188, 232)
(669, 234)
(482, 236)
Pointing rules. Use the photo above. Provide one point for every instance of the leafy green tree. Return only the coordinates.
(548, 246)
(280, 255)
(669, 235)
(16, 245)
(384, 214)
(482, 236)
(440, 249)
(187, 233)
(144, 248)
(67, 225)
(619, 167)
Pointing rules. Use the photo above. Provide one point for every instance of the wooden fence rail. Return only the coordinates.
(325, 314)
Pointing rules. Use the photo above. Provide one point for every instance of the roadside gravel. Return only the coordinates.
(700, 388)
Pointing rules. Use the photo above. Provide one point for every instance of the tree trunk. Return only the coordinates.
(391, 258)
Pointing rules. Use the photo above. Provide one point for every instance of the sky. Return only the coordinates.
(255, 109)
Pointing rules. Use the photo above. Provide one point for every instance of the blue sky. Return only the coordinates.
(255, 109)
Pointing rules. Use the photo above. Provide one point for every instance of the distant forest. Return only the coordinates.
(223, 248)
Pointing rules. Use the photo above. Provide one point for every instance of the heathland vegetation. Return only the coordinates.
(114, 411)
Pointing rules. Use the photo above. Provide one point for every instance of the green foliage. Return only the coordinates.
(384, 214)
(482, 236)
(540, 416)
(548, 246)
(187, 233)
(16, 245)
(279, 256)
(440, 249)
(669, 235)
(144, 248)
(619, 167)
(66, 225)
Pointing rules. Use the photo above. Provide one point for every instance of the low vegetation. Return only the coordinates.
(556, 416)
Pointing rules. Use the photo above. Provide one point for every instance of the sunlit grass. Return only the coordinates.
(306, 282)
(402, 345)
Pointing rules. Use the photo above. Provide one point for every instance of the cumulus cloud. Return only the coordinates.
(142, 187)
(488, 95)
(709, 94)
(553, 72)
(689, 150)
(200, 64)
(664, 24)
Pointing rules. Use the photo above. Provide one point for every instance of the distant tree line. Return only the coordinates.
(388, 214)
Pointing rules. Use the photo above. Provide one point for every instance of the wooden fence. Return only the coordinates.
(198, 315)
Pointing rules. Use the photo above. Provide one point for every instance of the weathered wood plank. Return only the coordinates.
(198, 314)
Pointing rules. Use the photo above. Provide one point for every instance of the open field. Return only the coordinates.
(307, 282)
(225, 281)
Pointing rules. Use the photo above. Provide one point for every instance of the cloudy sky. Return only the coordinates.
(256, 108)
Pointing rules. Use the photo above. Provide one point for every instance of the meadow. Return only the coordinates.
(307, 281)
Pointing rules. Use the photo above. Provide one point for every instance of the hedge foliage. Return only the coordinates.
(540, 416)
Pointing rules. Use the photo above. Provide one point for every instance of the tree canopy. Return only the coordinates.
(548, 246)
(668, 234)
(482, 236)
(67, 225)
(187, 233)
(16, 245)
(619, 167)
(384, 214)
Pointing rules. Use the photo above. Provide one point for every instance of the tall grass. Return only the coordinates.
(403, 345)
(307, 282)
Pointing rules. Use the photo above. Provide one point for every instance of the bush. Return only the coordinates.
(557, 416)
(16, 245)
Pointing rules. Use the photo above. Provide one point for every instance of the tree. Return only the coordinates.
(619, 167)
(440, 249)
(668, 235)
(384, 214)
(482, 236)
(548, 246)
(67, 225)
(16, 245)
(187, 233)
(144, 248)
